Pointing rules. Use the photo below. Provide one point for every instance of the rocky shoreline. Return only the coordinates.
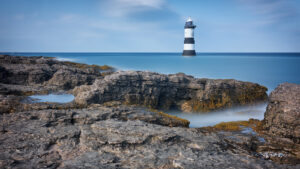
(116, 119)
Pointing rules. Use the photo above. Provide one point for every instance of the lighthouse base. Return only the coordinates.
(189, 53)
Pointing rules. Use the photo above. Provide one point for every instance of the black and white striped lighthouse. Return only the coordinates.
(189, 42)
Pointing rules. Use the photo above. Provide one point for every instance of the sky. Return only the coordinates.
(148, 25)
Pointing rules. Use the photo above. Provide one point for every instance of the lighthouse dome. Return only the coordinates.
(189, 23)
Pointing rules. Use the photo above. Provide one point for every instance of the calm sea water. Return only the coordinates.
(268, 69)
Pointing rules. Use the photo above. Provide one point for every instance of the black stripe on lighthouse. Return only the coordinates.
(189, 41)
(189, 53)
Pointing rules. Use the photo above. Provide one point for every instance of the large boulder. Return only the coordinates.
(282, 118)
(177, 91)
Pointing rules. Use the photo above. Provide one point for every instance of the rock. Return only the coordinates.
(112, 137)
(3, 74)
(161, 91)
(46, 71)
(281, 124)
(9, 103)
(282, 117)
(68, 79)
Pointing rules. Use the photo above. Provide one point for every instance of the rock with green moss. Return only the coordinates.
(177, 91)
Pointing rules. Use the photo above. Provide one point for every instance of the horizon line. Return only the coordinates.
(169, 52)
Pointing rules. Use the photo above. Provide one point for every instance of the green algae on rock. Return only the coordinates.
(175, 91)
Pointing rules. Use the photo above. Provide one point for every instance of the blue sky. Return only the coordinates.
(148, 25)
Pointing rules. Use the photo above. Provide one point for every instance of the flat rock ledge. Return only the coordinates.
(175, 91)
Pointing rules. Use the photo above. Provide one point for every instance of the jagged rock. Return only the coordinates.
(113, 135)
(169, 91)
(282, 117)
(9, 103)
(281, 123)
(46, 71)
(100, 137)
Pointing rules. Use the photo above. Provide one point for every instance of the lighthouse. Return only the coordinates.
(189, 42)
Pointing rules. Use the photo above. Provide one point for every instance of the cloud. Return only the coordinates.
(271, 11)
(69, 17)
(121, 8)
(118, 25)
(92, 34)
(139, 3)
(140, 10)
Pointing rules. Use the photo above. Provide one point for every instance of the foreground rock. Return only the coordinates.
(282, 119)
(177, 91)
(113, 137)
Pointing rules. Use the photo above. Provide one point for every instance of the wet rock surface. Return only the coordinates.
(114, 135)
(178, 91)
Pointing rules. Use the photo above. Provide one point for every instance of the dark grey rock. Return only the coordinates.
(100, 137)
(45, 71)
(112, 135)
(161, 91)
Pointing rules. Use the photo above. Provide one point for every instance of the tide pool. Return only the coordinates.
(226, 115)
(55, 98)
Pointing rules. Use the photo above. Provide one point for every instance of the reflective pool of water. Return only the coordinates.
(56, 98)
(231, 114)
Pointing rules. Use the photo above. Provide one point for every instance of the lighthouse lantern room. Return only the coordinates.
(189, 42)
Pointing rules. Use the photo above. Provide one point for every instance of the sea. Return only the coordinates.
(268, 69)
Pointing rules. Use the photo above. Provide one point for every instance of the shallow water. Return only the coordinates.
(55, 98)
(215, 117)
(250, 131)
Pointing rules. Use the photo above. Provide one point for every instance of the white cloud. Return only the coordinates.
(91, 34)
(69, 17)
(271, 11)
(147, 3)
(118, 25)
(119, 8)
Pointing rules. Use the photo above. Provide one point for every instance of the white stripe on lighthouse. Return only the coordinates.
(189, 33)
(189, 47)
